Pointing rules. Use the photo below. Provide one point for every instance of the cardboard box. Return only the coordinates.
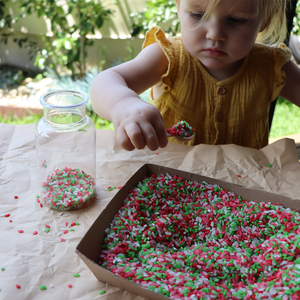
(89, 248)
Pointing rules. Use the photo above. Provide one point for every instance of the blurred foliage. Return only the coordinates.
(34, 118)
(100, 123)
(6, 20)
(15, 120)
(286, 119)
(66, 48)
(10, 78)
(296, 28)
(13, 76)
(157, 12)
(66, 82)
(6, 28)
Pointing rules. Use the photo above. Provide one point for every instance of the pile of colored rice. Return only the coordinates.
(68, 189)
(182, 129)
(190, 240)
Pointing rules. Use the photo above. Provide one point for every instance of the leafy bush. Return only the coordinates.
(66, 49)
(296, 29)
(157, 12)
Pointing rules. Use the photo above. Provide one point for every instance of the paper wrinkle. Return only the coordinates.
(4, 180)
(27, 258)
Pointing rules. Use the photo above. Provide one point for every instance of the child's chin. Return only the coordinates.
(212, 64)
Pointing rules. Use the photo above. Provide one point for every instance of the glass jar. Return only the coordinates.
(66, 151)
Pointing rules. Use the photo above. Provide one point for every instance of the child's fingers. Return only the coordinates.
(160, 130)
(123, 140)
(140, 127)
(150, 136)
(135, 135)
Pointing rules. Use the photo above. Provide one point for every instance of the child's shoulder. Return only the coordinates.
(263, 49)
(267, 56)
(157, 35)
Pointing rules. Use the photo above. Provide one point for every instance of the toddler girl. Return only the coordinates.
(217, 76)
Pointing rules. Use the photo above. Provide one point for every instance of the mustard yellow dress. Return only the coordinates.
(230, 111)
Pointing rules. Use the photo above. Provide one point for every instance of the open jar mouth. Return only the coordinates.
(63, 99)
(64, 107)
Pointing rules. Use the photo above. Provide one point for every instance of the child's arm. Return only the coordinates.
(291, 89)
(114, 96)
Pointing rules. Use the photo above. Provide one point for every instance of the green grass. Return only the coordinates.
(33, 119)
(286, 119)
(99, 122)
(13, 119)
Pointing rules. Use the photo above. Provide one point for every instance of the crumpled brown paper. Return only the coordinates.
(27, 258)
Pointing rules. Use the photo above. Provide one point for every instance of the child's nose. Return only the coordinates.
(215, 31)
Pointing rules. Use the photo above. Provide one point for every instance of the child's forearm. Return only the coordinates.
(115, 93)
(107, 90)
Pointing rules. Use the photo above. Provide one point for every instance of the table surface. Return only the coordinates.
(27, 258)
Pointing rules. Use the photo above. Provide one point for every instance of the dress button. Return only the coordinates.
(220, 117)
(221, 90)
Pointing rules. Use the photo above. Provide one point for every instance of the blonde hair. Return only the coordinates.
(273, 16)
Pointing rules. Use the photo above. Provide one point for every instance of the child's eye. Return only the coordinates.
(237, 20)
(197, 16)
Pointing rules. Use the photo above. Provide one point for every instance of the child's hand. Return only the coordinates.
(138, 124)
(115, 94)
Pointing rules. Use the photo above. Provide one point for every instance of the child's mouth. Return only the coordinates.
(214, 52)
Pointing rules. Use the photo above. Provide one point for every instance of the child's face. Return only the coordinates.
(225, 38)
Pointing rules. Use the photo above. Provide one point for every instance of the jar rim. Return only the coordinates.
(51, 93)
